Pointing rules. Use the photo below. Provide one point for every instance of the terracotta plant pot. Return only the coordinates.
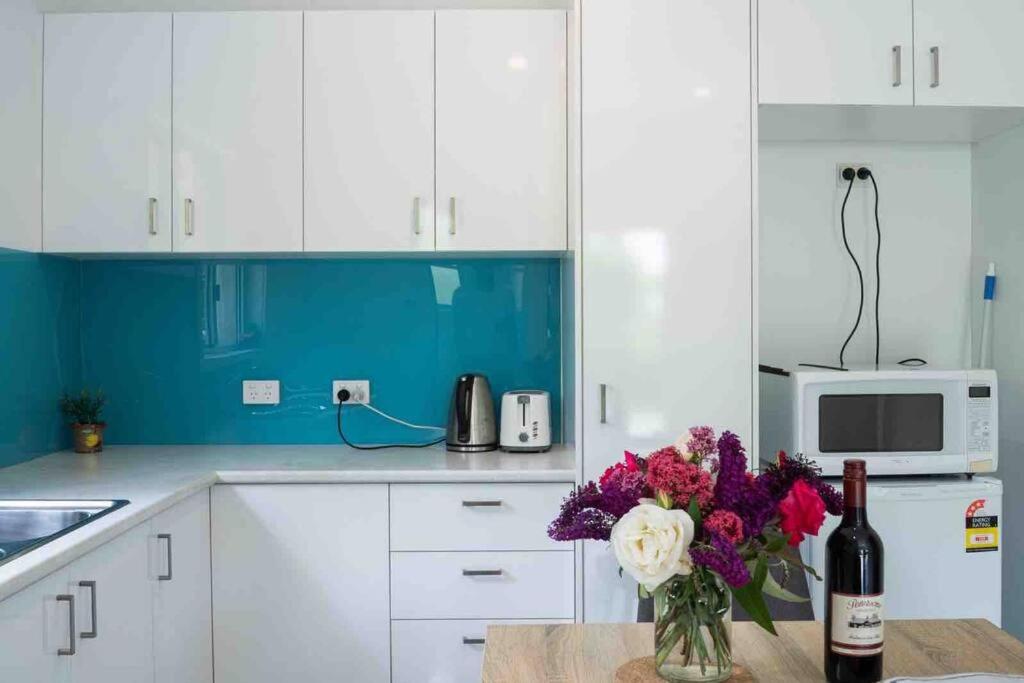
(88, 437)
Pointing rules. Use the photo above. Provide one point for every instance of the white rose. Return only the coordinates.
(681, 446)
(651, 544)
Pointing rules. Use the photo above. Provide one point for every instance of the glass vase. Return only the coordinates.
(693, 628)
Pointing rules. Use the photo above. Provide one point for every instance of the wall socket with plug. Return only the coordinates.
(358, 389)
(843, 183)
(261, 392)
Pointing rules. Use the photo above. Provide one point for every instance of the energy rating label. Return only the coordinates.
(982, 531)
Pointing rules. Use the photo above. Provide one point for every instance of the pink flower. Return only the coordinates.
(702, 441)
(620, 468)
(669, 473)
(802, 512)
(726, 524)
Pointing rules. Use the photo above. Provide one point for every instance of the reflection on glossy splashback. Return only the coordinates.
(39, 352)
(171, 341)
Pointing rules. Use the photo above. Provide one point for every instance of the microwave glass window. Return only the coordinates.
(880, 423)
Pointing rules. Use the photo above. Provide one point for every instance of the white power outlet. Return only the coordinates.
(358, 389)
(842, 182)
(261, 392)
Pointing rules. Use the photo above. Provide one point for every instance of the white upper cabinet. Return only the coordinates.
(501, 130)
(238, 132)
(968, 52)
(835, 52)
(107, 133)
(369, 131)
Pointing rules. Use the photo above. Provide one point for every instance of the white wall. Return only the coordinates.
(21, 81)
(808, 286)
(200, 5)
(999, 237)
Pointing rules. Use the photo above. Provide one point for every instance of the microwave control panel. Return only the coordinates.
(980, 419)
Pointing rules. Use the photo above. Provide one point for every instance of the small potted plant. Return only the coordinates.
(83, 413)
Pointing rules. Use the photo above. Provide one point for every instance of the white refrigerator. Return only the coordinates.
(943, 547)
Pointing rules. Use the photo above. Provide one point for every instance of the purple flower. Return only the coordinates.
(581, 517)
(701, 441)
(737, 491)
(778, 478)
(622, 492)
(833, 499)
(723, 559)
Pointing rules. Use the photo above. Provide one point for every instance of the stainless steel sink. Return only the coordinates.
(28, 524)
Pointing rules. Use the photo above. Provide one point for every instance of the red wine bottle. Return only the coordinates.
(854, 580)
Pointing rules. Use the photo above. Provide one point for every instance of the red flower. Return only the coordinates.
(669, 473)
(630, 465)
(802, 512)
(726, 524)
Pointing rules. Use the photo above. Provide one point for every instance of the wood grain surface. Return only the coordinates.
(577, 653)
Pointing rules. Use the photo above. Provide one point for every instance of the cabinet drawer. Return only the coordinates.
(537, 585)
(437, 651)
(474, 516)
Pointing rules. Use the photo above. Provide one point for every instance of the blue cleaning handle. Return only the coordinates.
(990, 283)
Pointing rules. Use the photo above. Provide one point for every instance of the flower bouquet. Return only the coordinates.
(697, 530)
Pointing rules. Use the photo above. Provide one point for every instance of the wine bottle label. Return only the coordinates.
(857, 624)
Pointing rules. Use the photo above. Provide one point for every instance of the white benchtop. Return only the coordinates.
(153, 478)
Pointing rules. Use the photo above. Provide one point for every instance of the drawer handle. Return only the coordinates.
(473, 641)
(482, 572)
(91, 585)
(70, 650)
(481, 503)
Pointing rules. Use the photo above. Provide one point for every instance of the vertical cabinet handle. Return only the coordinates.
(153, 228)
(416, 228)
(170, 559)
(604, 403)
(70, 650)
(451, 216)
(897, 66)
(934, 51)
(190, 228)
(91, 585)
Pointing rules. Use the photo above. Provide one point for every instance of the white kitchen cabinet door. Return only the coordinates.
(667, 238)
(237, 132)
(300, 583)
(501, 130)
(35, 627)
(114, 600)
(835, 52)
(369, 131)
(180, 567)
(968, 53)
(107, 133)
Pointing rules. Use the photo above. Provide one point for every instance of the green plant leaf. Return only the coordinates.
(775, 542)
(695, 515)
(792, 556)
(772, 588)
(751, 596)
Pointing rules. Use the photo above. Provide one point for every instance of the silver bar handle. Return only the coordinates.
(153, 227)
(416, 228)
(897, 66)
(190, 228)
(934, 51)
(604, 403)
(68, 651)
(481, 503)
(91, 585)
(482, 572)
(451, 216)
(466, 640)
(170, 559)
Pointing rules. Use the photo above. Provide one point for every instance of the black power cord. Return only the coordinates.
(864, 173)
(344, 395)
(850, 175)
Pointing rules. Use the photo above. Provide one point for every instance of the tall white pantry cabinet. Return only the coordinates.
(667, 238)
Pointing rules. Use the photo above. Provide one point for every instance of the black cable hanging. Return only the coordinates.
(860, 274)
(382, 446)
(878, 265)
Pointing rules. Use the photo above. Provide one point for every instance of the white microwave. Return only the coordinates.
(902, 421)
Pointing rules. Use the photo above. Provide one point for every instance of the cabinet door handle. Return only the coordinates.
(604, 403)
(934, 51)
(91, 585)
(190, 228)
(170, 559)
(153, 227)
(416, 215)
(897, 66)
(466, 640)
(481, 503)
(482, 572)
(451, 216)
(70, 650)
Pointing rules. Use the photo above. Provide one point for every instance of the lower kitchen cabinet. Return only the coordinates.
(300, 583)
(37, 635)
(180, 571)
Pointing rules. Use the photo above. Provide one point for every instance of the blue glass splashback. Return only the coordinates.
(170, 341)
(39, 352)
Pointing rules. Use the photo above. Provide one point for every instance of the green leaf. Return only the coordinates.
(772, 588)
(775, 542)
(792, 556)
(695, 515)
(751, 597)
(642, 592)
(663, 499)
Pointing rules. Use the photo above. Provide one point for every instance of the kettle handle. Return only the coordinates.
(463, 401)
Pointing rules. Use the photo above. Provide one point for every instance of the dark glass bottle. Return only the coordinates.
(855, 587)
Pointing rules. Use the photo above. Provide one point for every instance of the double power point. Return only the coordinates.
(842, 182)
(358, 390)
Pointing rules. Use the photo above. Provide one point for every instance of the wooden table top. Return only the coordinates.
(585, 653)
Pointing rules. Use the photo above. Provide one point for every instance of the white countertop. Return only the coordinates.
(153, 478)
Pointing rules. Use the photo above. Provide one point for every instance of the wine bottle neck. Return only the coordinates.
(855, 516)
(855, 498)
